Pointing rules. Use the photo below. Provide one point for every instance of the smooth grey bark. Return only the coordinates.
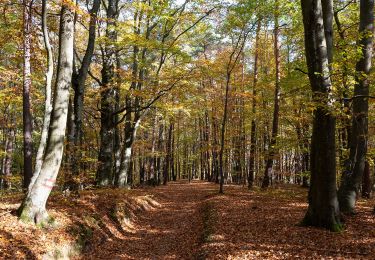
(323, 210)
(33, 207)
(104, 175)
(48, 97)
(130, 135)
(27, 116)
(268, 172)
(354, 167)
(327, 9)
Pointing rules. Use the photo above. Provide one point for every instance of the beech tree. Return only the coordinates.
(27, 117)
(323, 210)
(355, 165)
(33, 208)
(48, 97)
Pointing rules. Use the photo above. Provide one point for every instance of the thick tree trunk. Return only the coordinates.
(354, 167)
(104, 175)
(27, 117)
(323, 210)
(48, 97)
(33, 207)
(275, 122)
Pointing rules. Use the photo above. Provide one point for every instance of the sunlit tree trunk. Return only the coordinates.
(33, 207)
(323, 210)
(48, 97)
(354, 167)
(27, 117)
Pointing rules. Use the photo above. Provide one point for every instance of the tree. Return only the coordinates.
(48, 97)
(27, 117)
(104, 175)
(323, 210)
(253, 130)
(78, 82)
(33, 207)
(276, 109)
(352, 175)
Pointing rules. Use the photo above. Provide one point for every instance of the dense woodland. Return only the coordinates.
(119, 95)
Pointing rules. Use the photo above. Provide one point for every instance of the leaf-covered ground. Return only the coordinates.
(184, 221)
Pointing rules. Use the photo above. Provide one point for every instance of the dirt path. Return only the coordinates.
(195, 222)
(173, 231)
(187, 221)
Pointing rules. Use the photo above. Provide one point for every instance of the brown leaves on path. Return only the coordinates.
(187, 221)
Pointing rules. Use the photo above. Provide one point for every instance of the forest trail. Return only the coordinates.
(195, 222)
(186, 221)
(172, 231)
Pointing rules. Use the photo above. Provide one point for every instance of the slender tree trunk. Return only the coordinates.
(354, 167)
(366, 183)
(345, 118)
(78, 82)
(33, 207)
(48, 97)
(167, 164)
(222, 133)
(27, 117)
(275, 122)
(125, 177)
(215, 146)
(250, 179)
(323, 210)
(8, 159)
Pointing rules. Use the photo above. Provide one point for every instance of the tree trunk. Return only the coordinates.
(8, 159)
(27, 117)
(251, 176)
(354, 167)
(222, 133)
(104, 175)
(124, 177)
(323, 210)
(366, 183)
(48, 97)
(275, 122)
(33, 207)
(78, 82)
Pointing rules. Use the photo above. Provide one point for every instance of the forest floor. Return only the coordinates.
(183, 221)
